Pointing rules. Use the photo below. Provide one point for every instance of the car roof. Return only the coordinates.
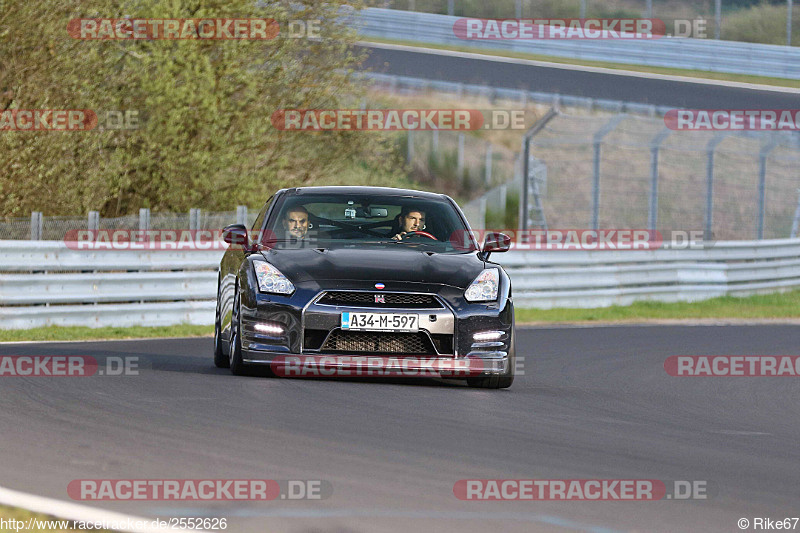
(363, 189)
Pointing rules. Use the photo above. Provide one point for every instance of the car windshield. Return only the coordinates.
(361, 220)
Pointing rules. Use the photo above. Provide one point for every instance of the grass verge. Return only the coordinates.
(721, 76)
(761, 306)
(56, 333)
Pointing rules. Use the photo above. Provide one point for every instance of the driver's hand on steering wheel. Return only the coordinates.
(399, 236)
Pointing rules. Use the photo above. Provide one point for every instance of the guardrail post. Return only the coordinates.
(93, 221)
(194, 219)
(488, 164)
(762, 186)
(241, 214)
(36, 226)
(144, 219)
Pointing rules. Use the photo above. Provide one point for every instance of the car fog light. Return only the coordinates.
(487, 335)
(269, 328)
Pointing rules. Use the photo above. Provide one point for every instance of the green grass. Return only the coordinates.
(724, 76)
(761, 306)
(56, 333)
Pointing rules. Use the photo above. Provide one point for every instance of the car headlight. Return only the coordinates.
(484, 287)
(270, 279)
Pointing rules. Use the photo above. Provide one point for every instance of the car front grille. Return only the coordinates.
(391, 300)
(378, 342)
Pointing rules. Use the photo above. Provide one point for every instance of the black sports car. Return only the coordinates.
(355, 276)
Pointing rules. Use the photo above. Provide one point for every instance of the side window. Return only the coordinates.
(260, 218)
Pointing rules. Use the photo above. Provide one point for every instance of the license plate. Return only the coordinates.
(380, 321)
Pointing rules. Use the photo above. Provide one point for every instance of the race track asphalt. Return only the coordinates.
(593, 403)
(569, 81)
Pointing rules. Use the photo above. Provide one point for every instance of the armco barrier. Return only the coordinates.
(45, 283)
(676, 52)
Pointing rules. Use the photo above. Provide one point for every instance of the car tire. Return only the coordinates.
(220, 358)
(499, 381)
(238, 368)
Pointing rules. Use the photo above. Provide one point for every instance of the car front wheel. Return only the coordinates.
(238, 368)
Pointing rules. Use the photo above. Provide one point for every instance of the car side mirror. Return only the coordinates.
(495, 242)
(236, 235)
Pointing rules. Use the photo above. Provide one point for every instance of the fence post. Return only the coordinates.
(597, 141)
(460, 164)
(489, 158)
(435, 143)
(796, 221)
(518, 8)
(36, 225)
(709, 218)
(241, 214)
(652, 219)
(451, 7)
(717, 19)
(762, 186)
(410, 147)
(93, 221)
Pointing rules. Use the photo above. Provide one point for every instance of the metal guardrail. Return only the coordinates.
(407, 83)
(583, 278)
(676, 52)
(44, 283)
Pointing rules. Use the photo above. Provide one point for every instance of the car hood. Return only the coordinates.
(379, 264)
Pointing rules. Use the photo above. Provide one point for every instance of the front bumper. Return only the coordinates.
(380, 366)
(275, 328)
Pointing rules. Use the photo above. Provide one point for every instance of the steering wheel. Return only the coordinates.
(418, 234)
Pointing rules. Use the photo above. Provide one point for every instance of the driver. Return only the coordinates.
(295, 222)
(410, 219)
